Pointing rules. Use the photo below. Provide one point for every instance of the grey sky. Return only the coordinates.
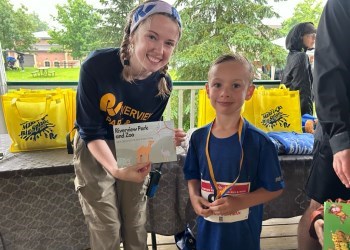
(46, 8)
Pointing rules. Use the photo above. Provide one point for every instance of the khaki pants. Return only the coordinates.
(113, 209)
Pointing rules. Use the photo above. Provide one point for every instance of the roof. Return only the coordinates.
(42, 35)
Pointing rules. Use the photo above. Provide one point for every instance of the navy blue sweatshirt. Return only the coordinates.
(104, 99)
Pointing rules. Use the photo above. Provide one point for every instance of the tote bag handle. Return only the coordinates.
(47, 101)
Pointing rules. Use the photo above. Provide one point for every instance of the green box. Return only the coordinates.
(336, 226)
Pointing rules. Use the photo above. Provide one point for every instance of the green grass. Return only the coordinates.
(61, 74)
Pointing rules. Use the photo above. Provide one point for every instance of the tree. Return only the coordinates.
(212, 28)
(15, 27)
(7, 24)
(38, 24)
(79, 32)
(115, 16)
(306, 11)
(24, 38)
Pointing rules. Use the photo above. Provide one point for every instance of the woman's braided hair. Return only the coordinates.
(125, 55)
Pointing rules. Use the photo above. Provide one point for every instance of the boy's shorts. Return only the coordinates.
(323, 183)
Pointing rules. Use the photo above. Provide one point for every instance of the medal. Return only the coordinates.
(217, 192)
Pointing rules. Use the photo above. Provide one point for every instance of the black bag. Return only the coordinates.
(185, 240)
(154, 177)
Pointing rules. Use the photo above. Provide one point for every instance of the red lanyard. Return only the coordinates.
(220, 193)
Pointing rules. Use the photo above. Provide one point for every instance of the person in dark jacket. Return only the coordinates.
(20, 59)
(297, 73)
(330, 172)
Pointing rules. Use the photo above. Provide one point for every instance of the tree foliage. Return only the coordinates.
(115, 14)
(39, 25)
(79, 32)
(306, 11)
(212, 28)
(16, 27)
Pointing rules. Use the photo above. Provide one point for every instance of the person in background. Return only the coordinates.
(122, 85)
(229, 157)
(278, 74)
(297, 74)
(20, 59)
(312, 60)
(330, 172)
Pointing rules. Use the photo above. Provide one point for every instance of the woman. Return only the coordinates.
(297, 73)
(122, 85)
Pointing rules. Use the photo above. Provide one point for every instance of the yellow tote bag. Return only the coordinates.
(70, 96)
(248, 110)
(70, 100)
(68, 93)
(206, 112)
(35, 122)
(277, 109)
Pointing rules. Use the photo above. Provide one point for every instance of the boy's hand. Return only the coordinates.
(224, 206)
(201, 206)
(319, 230)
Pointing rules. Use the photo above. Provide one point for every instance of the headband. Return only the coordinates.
(147, 9)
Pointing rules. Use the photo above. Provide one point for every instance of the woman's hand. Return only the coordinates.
(136, 173)
(180, 136)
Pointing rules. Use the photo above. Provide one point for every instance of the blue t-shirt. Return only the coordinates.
(260, 169)
(105, 99)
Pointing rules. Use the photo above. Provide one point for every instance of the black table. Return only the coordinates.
(39, 206)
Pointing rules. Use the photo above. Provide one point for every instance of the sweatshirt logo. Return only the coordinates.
(117, 113)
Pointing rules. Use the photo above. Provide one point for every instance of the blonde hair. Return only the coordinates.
(235, 57)
(125, 54)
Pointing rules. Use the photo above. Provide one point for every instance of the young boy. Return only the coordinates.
(232, 168)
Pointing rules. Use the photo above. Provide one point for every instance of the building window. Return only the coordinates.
(47, 64)
(56, 64)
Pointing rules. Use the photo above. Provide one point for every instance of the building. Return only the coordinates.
(42, 56)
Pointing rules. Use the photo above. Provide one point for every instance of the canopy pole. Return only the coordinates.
(3, 90)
